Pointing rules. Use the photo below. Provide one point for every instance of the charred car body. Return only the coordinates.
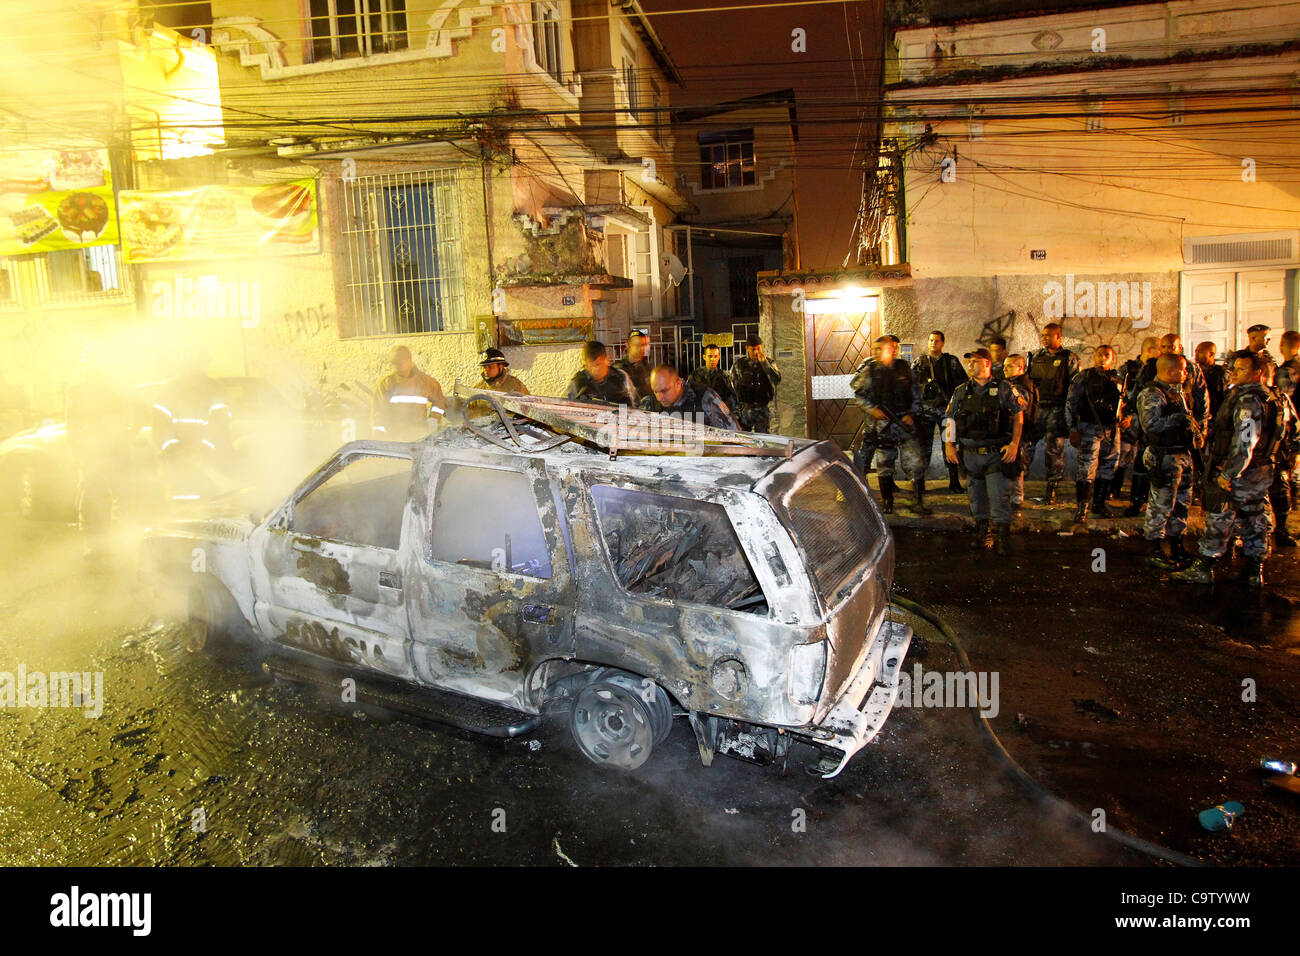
(495, 572)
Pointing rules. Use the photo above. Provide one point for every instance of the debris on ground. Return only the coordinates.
(1222, 816)
(1089, 706)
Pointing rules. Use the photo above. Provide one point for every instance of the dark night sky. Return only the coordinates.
(736, 52)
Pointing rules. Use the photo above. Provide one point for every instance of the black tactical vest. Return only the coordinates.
(1172, 439)
(980, 415)
(1101, 399)
(1270, 429)
(891, 387)
(1051, 371)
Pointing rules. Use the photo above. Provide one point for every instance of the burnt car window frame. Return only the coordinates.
(781, 505)
(591, 482)
(283, 520)
(435, 489)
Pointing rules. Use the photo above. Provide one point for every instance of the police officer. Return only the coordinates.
(1130, 445)
(1213, 373)
(495, 376)
(1052, 368)
(1239, 469)
(1092, 413)
(709, 375)
(754, 378)
(1027, 393)
(598, 381)
(1288, 373)
(405, 398)
(1258, 336)
(883, 386)
(937, 374)
(986, 422)
(635, 364)
(671, 393)
(1279, 492)
(1195, 391)
(1171, 434)
(998, 349)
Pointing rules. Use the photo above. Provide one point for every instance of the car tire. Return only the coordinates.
(36, 492)
(209, 619)
(613, 724)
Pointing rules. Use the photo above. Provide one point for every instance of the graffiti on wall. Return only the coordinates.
(307, 323)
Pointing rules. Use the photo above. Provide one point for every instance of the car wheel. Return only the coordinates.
(613, 725)
(35, 498)
(207, 620)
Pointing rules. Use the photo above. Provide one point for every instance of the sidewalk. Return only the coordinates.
(952, 511)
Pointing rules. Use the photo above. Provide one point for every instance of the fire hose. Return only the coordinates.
(1015, 770)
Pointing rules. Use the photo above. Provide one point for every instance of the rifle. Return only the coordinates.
(1198, 430)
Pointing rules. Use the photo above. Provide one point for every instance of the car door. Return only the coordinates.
(494, 594)
(332, 561)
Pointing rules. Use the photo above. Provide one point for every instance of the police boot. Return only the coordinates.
(918, 506)
(1252, 573)
(1004, 539)
(954, 482)
(1281, 537)
(981, 533)
(1138, 496)
(1082, 492)
(887, 494)
(1180, 555)
(1116, 484)
(1201, 571)
(1050, 497)
(1156, 557)
(1099, 509)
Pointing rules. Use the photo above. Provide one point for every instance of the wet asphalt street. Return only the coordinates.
(205, 760)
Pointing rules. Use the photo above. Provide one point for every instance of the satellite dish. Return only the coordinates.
(673, 268)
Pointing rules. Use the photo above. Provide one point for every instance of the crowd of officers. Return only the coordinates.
(739, 399)
(1181, 429)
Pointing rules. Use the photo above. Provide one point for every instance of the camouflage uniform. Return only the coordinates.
(638, 373)
(715, 378)
(1091, 409)
(891, 389)
(1247, 431)
(754, 384)
(1167, 431)
(983, 416)
(695, 401)
(614, 389)
(1029, 391)
(936, 380)
(1052, 372)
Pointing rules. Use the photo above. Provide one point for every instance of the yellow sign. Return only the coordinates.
(220, 222)
(723, 340)
(55, 199)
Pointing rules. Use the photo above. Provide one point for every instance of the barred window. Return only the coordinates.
(727, 159)
(346, 28)
(402, 233)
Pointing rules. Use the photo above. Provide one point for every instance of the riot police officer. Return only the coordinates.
(599, 381)
(1052, 368)
(1092, 413)
(710, 375)
(883, 386)
(1130, 445)
(1027, 393)
(1239, 469)
(986, 422)
(754, 378)
(1172, 435)
(937, 374)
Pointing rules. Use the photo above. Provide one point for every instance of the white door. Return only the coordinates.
(1261, 300)
(1209, 307)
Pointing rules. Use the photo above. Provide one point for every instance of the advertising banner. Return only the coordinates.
(220, 222)
(55, 199)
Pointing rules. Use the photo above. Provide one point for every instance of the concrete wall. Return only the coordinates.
(971, 310)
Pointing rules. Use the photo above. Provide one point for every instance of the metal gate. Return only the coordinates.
(837, 344)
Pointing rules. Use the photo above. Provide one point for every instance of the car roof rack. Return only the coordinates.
(618, 428)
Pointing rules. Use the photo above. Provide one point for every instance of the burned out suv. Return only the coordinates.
(510, 566)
